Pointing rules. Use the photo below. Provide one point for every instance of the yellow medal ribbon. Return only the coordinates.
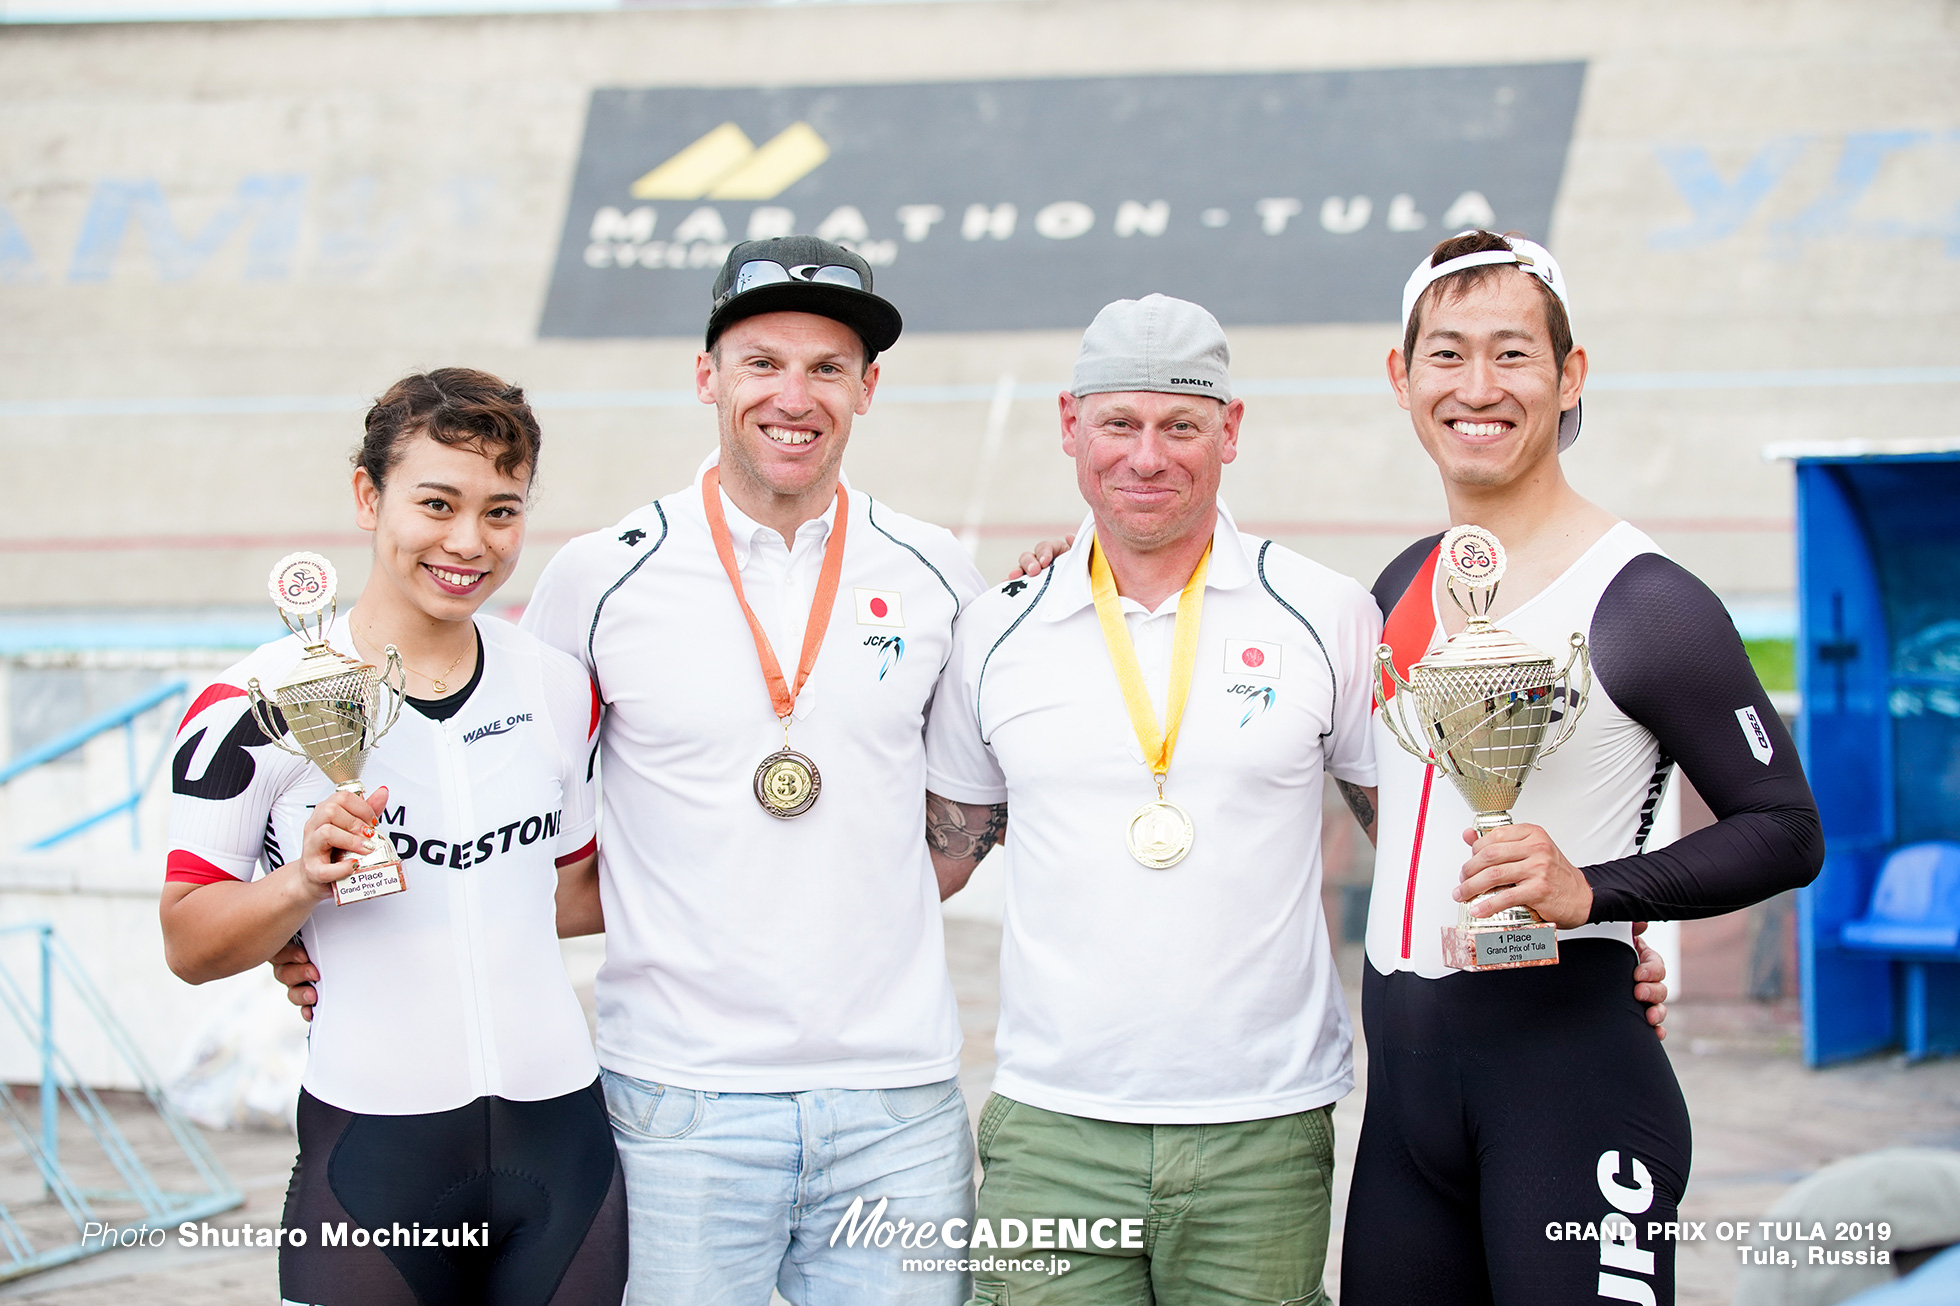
(1157, 745)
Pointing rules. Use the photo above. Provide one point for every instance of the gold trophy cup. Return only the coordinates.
(1482, 708)
(335, 706)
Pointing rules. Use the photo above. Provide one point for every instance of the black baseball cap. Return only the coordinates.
(801, 274)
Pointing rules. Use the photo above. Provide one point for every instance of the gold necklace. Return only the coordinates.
(438, 683)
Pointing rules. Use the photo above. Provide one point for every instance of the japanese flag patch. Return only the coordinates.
(880, 608)
(1252, 657)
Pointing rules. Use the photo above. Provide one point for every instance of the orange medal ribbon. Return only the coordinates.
(781, 693)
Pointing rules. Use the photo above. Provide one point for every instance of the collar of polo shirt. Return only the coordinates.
(1071, 591)
(742, 528)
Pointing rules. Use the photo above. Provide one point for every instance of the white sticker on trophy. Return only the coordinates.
(302, 584)
(880, 607)
(1752, 730)
(1252, 658)
(1473, 556)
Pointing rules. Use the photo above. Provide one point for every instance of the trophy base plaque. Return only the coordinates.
(1501, 944)
(376, 875)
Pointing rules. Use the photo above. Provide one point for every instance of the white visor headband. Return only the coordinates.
(1531, 258)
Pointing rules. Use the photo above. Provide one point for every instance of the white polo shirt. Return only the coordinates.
(745, 953)
(1207, 992)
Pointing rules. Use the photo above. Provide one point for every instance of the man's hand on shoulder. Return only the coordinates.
(1038, 559)
(1520, 866)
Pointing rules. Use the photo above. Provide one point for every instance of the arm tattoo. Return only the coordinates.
(1357, 801)
(963, 832)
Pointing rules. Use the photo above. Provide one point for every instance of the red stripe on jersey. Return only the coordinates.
(593, 729)
(591, 847)
(216, 693)
(1413, 623)
(1407, 632)
(1415, 861)
(189, 868)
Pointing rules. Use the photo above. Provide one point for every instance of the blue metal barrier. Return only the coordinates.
(124, 716)
(30, 1006)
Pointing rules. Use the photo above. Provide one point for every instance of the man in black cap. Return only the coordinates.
(778, 1033)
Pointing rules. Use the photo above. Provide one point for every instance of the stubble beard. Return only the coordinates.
(751, 469)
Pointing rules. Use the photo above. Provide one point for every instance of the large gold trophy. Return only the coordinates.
(335, 706)
(1482, 707)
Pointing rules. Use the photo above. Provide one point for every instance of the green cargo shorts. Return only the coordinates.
(1198, 1215)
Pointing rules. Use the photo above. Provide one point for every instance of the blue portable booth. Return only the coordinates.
(1878, 574)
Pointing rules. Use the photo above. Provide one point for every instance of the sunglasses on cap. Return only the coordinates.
(767, 272)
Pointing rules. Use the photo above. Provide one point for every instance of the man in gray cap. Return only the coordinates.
(1157, 709)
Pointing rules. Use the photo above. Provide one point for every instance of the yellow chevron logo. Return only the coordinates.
(726, 165)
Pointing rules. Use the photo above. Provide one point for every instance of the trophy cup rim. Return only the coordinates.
(1481, 644)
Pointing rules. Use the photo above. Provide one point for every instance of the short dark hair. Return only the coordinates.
(453, 406)
(1457, 284)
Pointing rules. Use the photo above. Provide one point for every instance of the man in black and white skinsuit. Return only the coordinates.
(1503, 1103)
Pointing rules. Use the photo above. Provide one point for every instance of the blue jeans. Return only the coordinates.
(731, 1194)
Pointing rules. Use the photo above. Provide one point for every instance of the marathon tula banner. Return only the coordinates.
(1011, 205)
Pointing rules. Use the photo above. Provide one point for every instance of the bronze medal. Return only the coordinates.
(787, 784)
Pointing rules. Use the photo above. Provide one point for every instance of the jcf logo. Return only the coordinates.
(891, 651)
(1259, 700)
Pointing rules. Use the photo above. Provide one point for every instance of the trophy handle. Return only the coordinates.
(1577, 692)
(394, 686)
(261, 709)
(1391, 705)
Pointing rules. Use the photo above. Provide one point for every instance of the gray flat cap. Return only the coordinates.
(1916, 1190)
(1170, 346)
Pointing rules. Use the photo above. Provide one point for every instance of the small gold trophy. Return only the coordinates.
(333, 705)
(1484, 702)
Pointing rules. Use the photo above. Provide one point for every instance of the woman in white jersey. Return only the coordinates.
(450, 1105)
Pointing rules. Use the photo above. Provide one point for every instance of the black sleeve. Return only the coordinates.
(1393, 583)
(1664, 648)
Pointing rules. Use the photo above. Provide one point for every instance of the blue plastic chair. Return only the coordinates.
(1914, 919)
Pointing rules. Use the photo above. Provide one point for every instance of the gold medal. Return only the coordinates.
(1161, 834)
(787, 783)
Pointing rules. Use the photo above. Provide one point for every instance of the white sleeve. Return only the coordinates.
(559, 613)
(573, 701)
(959, 764)
(964, 576)
(1350, 748)
(225, 776)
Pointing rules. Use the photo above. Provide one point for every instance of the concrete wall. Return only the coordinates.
(1752, 187)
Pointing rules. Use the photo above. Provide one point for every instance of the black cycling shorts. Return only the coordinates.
(497, 1203)
(1504, 1107)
